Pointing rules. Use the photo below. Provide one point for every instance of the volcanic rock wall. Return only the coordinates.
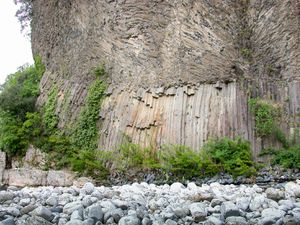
(180, 71)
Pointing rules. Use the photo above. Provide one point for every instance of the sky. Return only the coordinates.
(15, 47)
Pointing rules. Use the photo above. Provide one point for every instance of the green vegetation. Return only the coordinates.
(231, 156)
(180, 161)
(265, 116)
(246, 52)
(86, 132)
(24, 13)
(21, 125)
(50, 119)
(288, 157)
(223, 155)
(17, 108)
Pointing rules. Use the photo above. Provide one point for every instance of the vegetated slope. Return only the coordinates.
(179, 71)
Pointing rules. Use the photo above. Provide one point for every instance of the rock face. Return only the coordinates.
(179, 71)
(2, 165)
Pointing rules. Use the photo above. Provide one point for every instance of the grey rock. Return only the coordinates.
(95, 212)
(198, 211)
(6, 196)
(107, 205)
(181, 211)
(33, 220)
(87, 201)
(257, 202)
(43, 212)
(292, 189)
(272, 213)
(52, 201)
(296, 214)
(57, 209)
(27, 209)
(266, 221)
(235, 220)
(8, 221)
(170, 222)
(214, 202)
(62, 221)
(229, 209)
(275, 194)
(129, 220)
(12, 210)
(117, 214)
(146, 221)
(74, 222)
(77, 214)
(88, 188)
(88, 221)
(120, 204)
(97, 194)
(71, 207)
(24, 201)
(56, 218)
(211, 220)
(290, 220)
(176, 187)
(287, 203)
(243, 203)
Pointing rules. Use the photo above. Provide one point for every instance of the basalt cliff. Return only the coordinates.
(180, 71)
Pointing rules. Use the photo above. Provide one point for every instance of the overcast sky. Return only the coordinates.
(15, 48)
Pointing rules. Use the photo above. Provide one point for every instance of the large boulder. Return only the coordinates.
(229, 209)
(60, 178)
(275, 194)
(34, 158)
(292, 190)
(22, 177)
(198, 211)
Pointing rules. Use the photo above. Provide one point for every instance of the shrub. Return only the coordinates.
(18, 121)
(12, 140)
(90, 163)
(24, 13)
(288, 158)
(21, 89)
(180, 160)
(231, 156)
(100, 71)
(265, 115)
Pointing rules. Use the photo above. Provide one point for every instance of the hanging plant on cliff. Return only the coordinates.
(24, 13)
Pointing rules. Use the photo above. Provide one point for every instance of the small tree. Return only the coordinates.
(24, 13)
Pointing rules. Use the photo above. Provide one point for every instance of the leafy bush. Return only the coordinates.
(288, 158)
(90, 163)
(132, 156)
(12, 140)
(18, 121)
(180, 160)
(231, 156)
(100, 71)
(24, 13)
(20, 91)
(265, 115)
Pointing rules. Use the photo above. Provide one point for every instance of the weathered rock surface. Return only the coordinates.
(180, 71)
(2, 165)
